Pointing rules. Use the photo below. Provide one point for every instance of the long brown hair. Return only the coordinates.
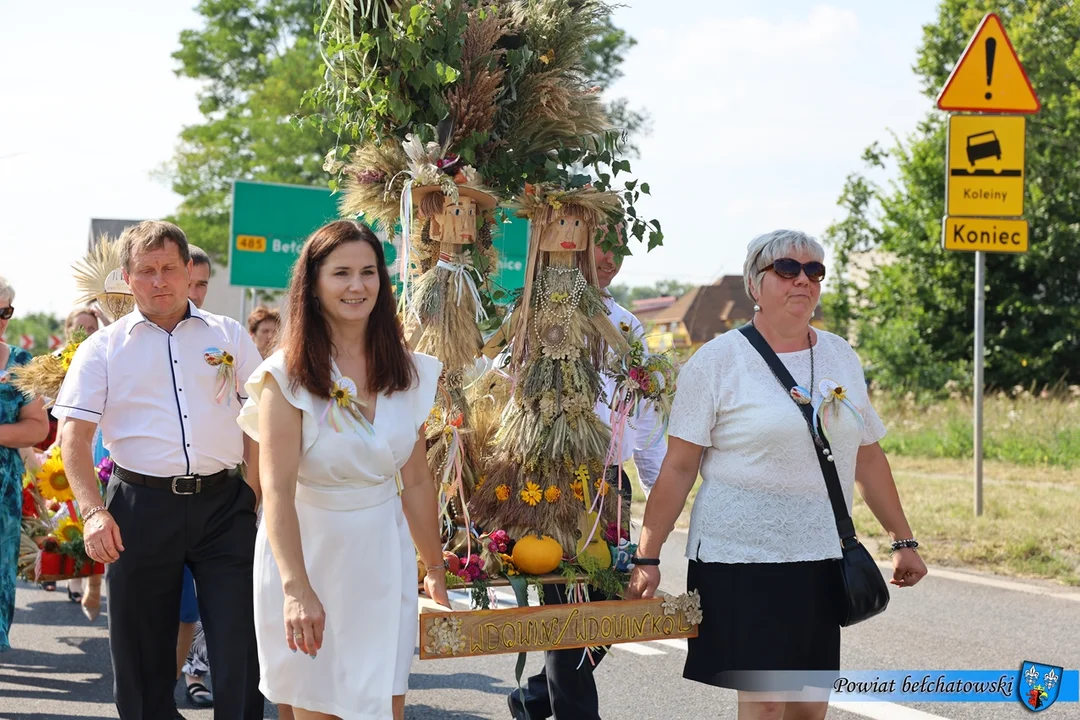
(306, 340)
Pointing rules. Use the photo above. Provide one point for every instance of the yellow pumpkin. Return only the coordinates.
(537, 555)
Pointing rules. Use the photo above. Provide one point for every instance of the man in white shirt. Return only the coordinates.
(565, 688)
(164, 384)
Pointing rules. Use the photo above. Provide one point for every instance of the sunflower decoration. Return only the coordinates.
(531, 494)
(68, 530)
(52, 481)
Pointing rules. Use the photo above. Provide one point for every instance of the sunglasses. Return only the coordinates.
(6, 313)
(789, 269)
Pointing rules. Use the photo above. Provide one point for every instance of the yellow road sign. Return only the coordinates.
(989, 77)
(985, 166)
(985, 234)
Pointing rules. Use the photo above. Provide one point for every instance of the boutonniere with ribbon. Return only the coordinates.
(226, 374)
(344, 407)
(834, 402)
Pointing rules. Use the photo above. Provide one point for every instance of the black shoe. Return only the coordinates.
(516, 710)
(75, 597)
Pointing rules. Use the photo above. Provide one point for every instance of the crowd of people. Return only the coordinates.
(250, 464)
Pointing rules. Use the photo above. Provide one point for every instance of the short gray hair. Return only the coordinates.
(765, 249)
(199, 256)
(6, 291)
(151, 235)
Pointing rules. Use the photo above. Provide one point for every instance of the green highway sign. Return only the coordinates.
(270, 223)
(511, 239)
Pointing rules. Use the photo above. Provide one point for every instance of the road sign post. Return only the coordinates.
(984, 176)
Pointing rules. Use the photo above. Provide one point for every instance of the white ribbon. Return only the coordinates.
(406, 231)
(464, 276)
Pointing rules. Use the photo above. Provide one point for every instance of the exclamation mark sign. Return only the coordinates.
(991, 50)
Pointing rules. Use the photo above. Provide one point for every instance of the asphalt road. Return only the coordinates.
(59, 665)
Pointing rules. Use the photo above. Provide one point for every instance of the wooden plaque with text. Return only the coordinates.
(467, 633)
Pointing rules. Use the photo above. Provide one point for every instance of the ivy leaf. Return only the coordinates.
(446, 73)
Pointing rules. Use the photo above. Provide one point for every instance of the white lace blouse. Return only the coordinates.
(763, 498)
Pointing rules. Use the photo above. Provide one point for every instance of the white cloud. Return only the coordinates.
(756, 123)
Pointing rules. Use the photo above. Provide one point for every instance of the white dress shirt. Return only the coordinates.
(643, 439)
(153, 393)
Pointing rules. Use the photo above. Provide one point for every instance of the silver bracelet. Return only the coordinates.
(92, 512)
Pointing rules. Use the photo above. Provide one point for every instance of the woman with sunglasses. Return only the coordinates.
(23, 424)
(763, 540)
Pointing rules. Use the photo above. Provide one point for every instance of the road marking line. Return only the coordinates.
(994, 582)
(638, 649)
(885, 711)
(677, 643)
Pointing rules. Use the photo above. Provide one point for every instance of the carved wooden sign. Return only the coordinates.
(556, 627)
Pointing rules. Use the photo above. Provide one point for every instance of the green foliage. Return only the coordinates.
(1021, 426)
(254, 59)
(914, 320)
(602, 66)
(389, 74)
(38, 326)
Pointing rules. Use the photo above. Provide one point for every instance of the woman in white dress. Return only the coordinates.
(339, 412)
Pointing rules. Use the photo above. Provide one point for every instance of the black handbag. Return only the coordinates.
(864, 588)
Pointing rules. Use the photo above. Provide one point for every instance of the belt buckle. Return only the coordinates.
(196, 478)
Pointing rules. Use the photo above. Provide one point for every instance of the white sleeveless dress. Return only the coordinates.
(357, 550)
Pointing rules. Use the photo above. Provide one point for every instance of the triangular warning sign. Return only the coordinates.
(988, 77)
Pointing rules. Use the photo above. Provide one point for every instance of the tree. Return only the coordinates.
(38, 326)
(915, 322)
(256, 58)
(603, 66)
(626, 295)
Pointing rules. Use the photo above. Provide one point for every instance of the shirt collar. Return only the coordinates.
(135, 317)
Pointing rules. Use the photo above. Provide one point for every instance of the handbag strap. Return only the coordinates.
(844, 525)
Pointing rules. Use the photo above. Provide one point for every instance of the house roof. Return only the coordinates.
(709, 310)
(655, 303)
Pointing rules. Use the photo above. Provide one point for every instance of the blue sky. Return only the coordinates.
(760, 110)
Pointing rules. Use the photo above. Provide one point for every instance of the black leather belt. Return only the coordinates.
(178, 485)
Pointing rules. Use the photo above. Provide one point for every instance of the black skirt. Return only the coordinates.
(765, 626)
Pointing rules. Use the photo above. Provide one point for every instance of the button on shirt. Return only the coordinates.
(643, 439)
(153, 392)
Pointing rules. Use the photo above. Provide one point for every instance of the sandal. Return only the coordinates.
(74, 596)
(48, 586)
(199, 696)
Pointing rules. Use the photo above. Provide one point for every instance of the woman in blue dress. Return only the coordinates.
(22, 424)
